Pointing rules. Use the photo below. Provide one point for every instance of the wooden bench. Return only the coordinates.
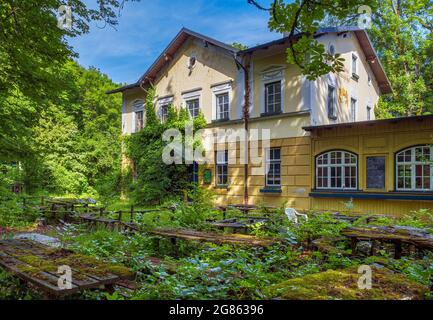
(214, 237)
(396, 235)
(37, 264)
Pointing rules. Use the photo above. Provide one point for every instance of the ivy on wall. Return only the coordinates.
(154, 181)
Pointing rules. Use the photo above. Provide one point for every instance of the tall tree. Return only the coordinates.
(33, 51)
(402, 33)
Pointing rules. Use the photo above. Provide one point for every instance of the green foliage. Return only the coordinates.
(73, 147)
(319, 225)
(195, 213)
(303, 18)
(33, 53)
(12, 289)
(239, 46)
(403, 36)
(156, 181)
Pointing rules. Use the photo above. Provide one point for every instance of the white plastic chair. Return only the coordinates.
(293, 215)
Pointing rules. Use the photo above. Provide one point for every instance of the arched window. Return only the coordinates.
(337, 170)
(414, 170)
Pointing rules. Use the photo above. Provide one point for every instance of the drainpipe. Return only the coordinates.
(246, 116)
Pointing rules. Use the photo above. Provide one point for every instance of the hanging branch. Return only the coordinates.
(272, 8)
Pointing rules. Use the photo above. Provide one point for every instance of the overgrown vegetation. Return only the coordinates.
(154, 180)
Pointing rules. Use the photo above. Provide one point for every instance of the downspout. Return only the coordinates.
(246, 117)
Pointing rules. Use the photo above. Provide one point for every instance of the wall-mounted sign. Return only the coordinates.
(376, 172)
(207, 176)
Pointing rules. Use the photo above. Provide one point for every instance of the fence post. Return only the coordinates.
(132, 214)
(120, 215)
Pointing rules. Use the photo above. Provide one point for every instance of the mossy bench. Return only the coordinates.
(38, 265)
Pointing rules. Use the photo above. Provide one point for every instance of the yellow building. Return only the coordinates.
(201, 73)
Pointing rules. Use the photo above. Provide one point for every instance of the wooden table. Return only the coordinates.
(214, 237)
(37, 264)
(396, 235)
(238, 223)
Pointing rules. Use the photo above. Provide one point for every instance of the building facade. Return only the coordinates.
(203, 74)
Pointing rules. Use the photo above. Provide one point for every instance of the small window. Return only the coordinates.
(369, 80)
(354, 64)
(193, 106)
(222, 101)
(138, 108)
(191, 62)
(368, 113)
(139, 120)
(332, 49)
(193, 172)
(336, 170)
(332, 113)
(164, 113)
(414, 170)
(353, 103)
(273, 167)
(273, 97)
(222, 168)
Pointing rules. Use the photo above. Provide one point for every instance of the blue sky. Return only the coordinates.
(146, 27)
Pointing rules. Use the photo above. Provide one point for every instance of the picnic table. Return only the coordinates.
(238, 223)
(397, 235)
(37, 264)
(214, 237)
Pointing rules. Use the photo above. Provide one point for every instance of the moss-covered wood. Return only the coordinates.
(418, 237)
(218, 238)
(38, 264)
(343, 285)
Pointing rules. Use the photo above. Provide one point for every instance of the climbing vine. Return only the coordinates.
(153, 180)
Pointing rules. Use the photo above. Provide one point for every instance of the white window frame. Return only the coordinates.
(225, 88)
(268, 163)
(193, 95)
(163, 102)
(331, 116)
(223, 163)
(137, 106)
(272, 74)
(354, 111)
(341, 165)
(369, 110)
(354, 66)
(413, 163)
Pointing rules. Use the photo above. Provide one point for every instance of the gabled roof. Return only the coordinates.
(362, 36)
(364, 41)
(168, 53)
